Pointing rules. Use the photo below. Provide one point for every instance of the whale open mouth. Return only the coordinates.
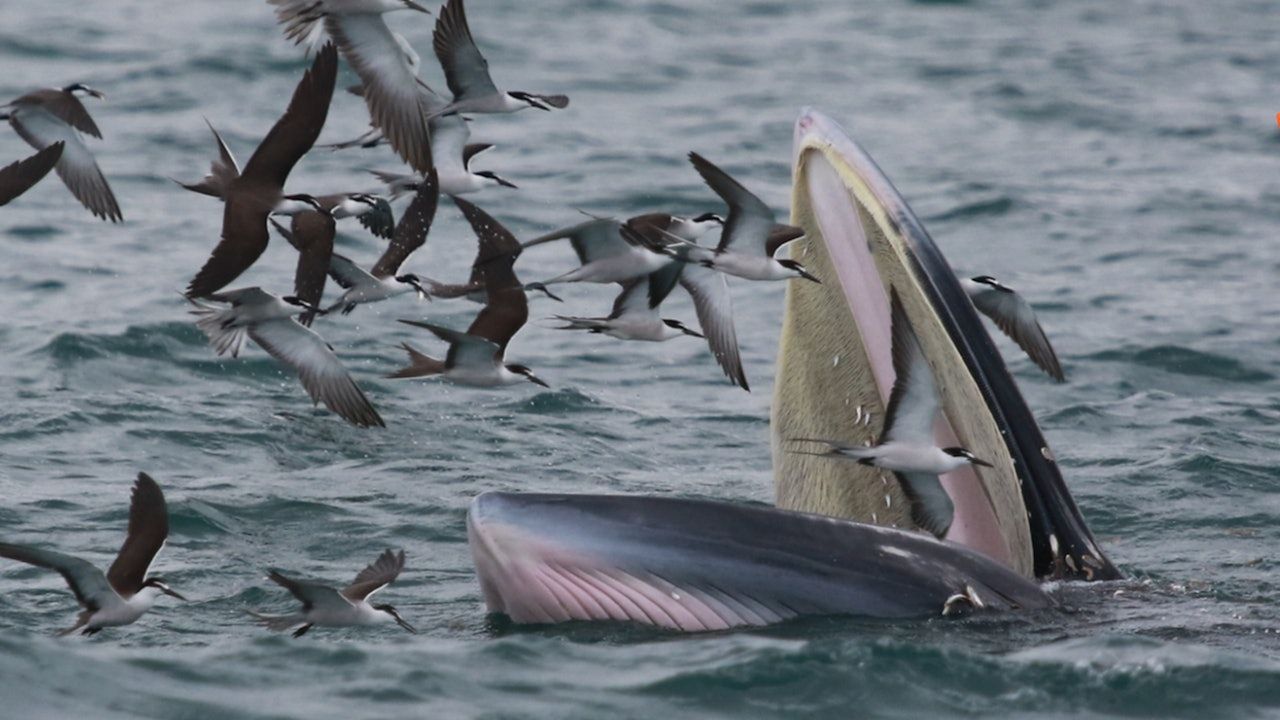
(841, 540)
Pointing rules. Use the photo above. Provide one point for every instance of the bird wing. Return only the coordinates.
(77, 168)
(66, 107)
(396, 103)
(148, 528)
(750, 221)
(322, 374)
(18, 177)
(931, 507)
(244, 296)
(714, 305)
(244, 238)
(312, 595)
(381, 220)
(781, 235)
(379, 574)
(498, 250)
(296, 131)
(633, 300)
(313, 234)
(346, 273)
(465, 69)
(449, 135)
(913, 401)
(471, 150)
(411, 231)
(87, 582)
(1014, 316)
(464, 348)
(662, 282)
(592, 240)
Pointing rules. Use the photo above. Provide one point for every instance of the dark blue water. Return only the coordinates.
(1114, 161)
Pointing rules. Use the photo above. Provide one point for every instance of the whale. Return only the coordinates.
(839, 539)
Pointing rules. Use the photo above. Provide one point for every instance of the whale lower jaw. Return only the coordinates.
(682, 564)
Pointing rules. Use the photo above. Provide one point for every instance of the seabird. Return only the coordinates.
(906, 446)
(610, 256)
(478, 356)
(1014, 316)
(311, 234)
(327, 606)
(56, 115)
(384, 280)
(709, 290)
(252, 196)
(750, 238)
(449, 150)
(467, 71)
(268, 320)
(633, 317)
(125, 593)
(19, 176)
(386, 64)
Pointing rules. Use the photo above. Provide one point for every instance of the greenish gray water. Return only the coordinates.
(1114, 161)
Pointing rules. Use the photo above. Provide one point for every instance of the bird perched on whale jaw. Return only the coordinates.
(126, 592)
(906, 445)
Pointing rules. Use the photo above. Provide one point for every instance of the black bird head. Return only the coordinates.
(159, 584)
(395, 616)
(965, 454)
(799, 270)
(73, 88)
(525, 371)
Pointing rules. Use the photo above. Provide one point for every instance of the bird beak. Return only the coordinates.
(97, 93)
(538, 381)
(983, 463)
(545, 291)
(537, 104)
(401, 622)
(415, 6)
(807, 276)
(170, 591)
(687, 331)
(505, 183)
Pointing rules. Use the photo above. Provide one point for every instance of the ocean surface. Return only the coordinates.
(1116, 162)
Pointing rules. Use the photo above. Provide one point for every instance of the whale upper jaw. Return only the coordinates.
(861, 239)
(683, 564)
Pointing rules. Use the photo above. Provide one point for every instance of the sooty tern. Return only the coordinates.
(328, 606)
(55, 115)
(383, 281)
(1014, 316)
(906, 445)
(18, 177)
(478, 356)
(268, 320)
(750, 238)
(467, 71)
(125, 593)
(252, 196)
(386, 64)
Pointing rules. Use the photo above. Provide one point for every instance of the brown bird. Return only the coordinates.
(252, 196)
(52, 115)
(18, 177)
(477, 357)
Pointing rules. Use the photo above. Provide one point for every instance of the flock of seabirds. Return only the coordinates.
(648, 256)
